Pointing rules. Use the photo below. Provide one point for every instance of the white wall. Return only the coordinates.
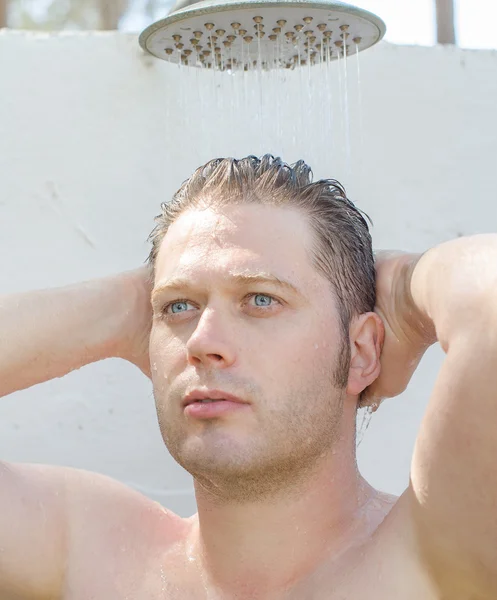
(94, 135)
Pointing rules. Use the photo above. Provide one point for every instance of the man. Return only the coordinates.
(262, 344)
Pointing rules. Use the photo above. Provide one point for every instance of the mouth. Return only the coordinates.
(210, 396)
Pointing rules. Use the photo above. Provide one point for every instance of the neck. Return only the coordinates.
(266, 546)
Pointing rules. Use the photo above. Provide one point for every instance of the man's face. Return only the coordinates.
(223, 321)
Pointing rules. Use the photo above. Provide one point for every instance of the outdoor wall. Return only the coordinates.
(94, 135)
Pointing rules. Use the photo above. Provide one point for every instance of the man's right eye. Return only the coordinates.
(176, 307)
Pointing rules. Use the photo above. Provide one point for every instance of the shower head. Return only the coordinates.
(268, 34)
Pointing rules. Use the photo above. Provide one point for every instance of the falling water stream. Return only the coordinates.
(312, 112)
(306, 112)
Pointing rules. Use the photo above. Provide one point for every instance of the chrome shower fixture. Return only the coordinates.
(233, 35)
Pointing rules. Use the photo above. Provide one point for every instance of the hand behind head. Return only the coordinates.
(408, 334)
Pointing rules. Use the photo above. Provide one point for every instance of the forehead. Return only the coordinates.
(248, 237)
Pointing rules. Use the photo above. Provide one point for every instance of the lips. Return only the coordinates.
(197, 395)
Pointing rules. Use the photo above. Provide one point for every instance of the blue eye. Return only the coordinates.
(262, 300)
(177, 307)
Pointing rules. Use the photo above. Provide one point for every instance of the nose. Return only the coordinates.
(212, 343)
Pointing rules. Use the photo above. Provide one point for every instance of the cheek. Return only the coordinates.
(167, 354)
(313, 354)
(285, 361)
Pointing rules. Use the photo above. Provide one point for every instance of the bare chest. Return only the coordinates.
(142, 552)
(138, 573)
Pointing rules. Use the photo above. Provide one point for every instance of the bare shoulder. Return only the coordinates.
(97, 501)
(120, 543)
(32, 522)
(52, 520)
(65, 496)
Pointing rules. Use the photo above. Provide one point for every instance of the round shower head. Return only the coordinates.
(230, 34)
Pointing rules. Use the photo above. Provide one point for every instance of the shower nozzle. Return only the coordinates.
(263, 33)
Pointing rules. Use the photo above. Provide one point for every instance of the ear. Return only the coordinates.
(366, 340)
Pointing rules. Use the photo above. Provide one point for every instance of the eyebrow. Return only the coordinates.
(244, 279)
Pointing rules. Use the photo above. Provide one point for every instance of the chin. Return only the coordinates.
(216, 453)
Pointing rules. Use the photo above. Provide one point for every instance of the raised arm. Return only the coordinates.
(454, 468)
(48, 333)
(448, 294)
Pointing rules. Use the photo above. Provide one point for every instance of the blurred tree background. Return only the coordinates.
(50, 15)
